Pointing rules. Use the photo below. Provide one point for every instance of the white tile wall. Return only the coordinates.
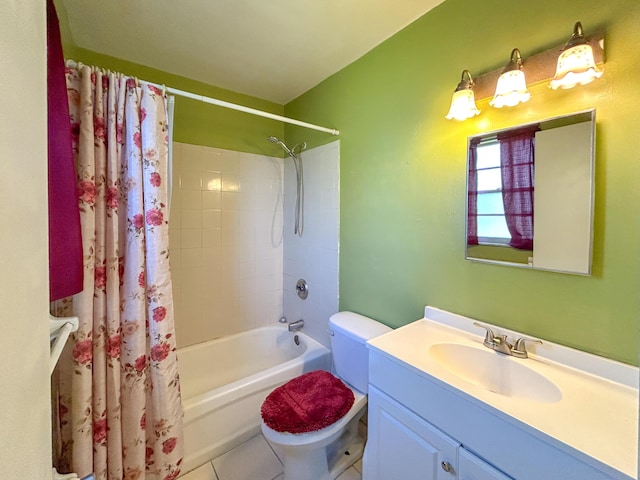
(314, 256)
(225, 241)
(234, 257)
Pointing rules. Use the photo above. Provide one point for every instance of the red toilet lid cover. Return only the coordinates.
(307, 403)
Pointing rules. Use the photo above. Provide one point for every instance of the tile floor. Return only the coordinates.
(253, 460)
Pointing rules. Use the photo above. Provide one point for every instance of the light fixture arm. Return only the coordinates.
(577, 37)
(516, 61)
(465, 83)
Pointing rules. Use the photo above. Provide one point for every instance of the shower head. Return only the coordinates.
(281, 143)
(297, 163)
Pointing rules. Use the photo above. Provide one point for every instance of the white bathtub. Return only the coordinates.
(225, 381)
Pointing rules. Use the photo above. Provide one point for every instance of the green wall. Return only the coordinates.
(403, 172)
(199, 123)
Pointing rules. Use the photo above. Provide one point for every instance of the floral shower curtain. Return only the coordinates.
(119, 406)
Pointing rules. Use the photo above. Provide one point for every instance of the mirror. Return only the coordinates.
(533, 179)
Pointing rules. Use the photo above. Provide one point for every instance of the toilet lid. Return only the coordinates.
(307, 403)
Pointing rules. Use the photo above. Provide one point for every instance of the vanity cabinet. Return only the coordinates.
(403, 445)
(423, 428)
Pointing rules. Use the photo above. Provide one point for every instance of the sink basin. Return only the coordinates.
(495, 372)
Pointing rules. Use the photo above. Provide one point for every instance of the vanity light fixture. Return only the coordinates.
(463, 103)
(507, 86)
(576, 65)
(512, 86)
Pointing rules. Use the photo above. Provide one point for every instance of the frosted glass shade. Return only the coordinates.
(576, 66)
(463, 105)
(510, 90)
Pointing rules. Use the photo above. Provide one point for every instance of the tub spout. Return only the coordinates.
(297, 325)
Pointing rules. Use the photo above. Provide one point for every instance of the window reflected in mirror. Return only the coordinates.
(492, 224)
(535, 178)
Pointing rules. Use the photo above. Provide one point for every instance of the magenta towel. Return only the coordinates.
(65, 240)
(307, 403)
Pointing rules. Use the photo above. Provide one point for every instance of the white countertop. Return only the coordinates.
(596, 413)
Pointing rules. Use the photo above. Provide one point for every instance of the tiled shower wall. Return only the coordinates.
(226, 242)
(314, 256)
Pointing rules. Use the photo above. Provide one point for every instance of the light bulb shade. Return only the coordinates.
(463, 102)
(463, 105)
(510, 90)
(576, 66)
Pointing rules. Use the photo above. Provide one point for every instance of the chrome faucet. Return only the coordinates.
(500, 343)
(295, 326)
(519, 349)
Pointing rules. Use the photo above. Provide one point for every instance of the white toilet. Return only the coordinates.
(324, 454)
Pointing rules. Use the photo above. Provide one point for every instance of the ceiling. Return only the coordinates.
(270, 49)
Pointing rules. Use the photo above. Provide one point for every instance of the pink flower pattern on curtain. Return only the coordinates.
(120, 412)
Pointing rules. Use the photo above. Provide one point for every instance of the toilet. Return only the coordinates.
(320, 438)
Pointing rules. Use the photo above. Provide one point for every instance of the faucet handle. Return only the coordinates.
(519, 349)
(489, 338)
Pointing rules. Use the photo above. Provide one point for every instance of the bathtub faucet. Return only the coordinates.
(297, 325)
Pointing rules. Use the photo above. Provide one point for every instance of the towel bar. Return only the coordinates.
(59, 330)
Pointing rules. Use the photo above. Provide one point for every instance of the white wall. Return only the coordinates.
(226, 241)
(314, 256)
(25, 446)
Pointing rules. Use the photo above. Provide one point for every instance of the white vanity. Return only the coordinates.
(443, 406)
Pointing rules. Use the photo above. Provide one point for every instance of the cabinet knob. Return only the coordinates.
(446, 466)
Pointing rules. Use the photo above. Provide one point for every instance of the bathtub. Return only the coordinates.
(225, 381)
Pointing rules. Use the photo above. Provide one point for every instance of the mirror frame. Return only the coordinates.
(561, 120)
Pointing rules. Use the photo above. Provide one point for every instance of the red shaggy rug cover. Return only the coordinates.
(307, 403)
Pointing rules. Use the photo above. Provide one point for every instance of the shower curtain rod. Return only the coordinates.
(242, 108)
(234, 106)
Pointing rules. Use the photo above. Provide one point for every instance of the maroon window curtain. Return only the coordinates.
(517, 168)
(472, 199)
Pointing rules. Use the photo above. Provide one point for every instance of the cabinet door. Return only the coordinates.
(471, 467)
(402, 445)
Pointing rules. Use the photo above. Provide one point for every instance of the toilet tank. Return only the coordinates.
(349, 334)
